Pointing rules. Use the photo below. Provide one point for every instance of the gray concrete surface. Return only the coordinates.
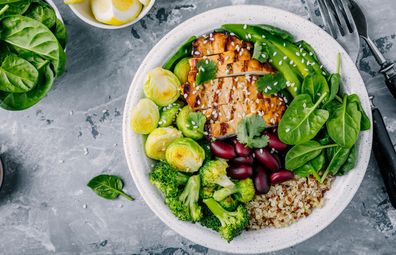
(54, 148)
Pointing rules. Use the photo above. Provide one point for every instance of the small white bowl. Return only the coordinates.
(83, 11)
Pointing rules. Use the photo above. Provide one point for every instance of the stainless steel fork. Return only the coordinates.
(340, 24)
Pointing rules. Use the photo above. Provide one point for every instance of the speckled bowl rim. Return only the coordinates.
(343, 188)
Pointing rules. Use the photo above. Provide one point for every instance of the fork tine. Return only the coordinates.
(341, 18)
(326, 17)
(348, 14)
(332, 14)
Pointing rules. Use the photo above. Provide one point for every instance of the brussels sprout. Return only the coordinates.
(191, 123)
(168, 114)
(158, 141)
(162, 86)
(145, 116)
(185, 155)
(182, 69)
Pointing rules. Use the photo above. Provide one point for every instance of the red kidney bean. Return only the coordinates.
(261, 180)
(267, 159)
(243, 160)
(240, 171)
(274, 142)
(241, 149)
(281, 176)
(222, 150)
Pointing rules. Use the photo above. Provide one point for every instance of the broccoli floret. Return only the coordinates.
(209, 220)
(229, 203)
(186, 206)
(207, 191)
(215, 172)
(232, 223)
(243, 191)
(167, 179)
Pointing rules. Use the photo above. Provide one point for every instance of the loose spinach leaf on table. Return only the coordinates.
(343, 125)
(108, 186)
(207, 70)
(24, 32)
(249, 131)
(365, 123)
(43, 13)
(270, 84)
(300, 154)
(315, 85)
(302, 120)
(17, 75)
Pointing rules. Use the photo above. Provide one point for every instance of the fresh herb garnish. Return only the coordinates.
(196, 121)
(249, 131)
(108, 187)
(260, 52)
(207, 70)
(271, 83)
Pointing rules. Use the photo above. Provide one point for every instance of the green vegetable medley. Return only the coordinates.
(321, 123)
(32, 42)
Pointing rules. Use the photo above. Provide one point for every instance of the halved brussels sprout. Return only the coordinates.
(159, 140)
(168, 114)
(185, 154)
(145, 116)
(182, 69)
(191, 123)
(162, 86)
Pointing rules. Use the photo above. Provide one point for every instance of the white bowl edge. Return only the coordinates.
(343, 189)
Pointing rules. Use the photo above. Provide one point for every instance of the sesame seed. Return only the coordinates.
(287, 130)
(284, 58)
(274, 53)
(297, 53)
(245, 26)
(197, 53)
(280, 62)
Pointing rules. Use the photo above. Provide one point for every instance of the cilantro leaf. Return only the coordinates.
(271, 83)
(207, 71)
(260, 52)
(249, 131)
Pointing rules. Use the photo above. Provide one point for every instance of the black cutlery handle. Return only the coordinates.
(391, 83)
(385, 154)
(389, 72)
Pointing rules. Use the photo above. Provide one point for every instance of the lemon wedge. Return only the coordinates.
(72, 1)
(116, 12)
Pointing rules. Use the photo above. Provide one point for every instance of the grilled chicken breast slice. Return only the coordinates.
(216, 43)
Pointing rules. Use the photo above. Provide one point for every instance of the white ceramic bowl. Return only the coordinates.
(83, 11)
(343, 189)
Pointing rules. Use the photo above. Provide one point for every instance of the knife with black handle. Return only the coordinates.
(385, 154)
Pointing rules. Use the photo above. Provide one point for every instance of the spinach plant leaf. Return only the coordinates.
(108, 186)
(302, 120)
(349, 163)
(15, 7)
(315, 85)
(276, 32)
(339, 157)
(17, 75)
(182, 52)
(43, 13)
(270, 84)
(300, 154)
(196, 121)
(207, 70)
(25, 32)
(60, 32)
(312, 167)
(365, 123)
(249, 131)
(343, 125)
(335, 80)
(22, 101)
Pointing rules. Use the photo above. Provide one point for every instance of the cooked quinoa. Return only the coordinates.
(287, 202)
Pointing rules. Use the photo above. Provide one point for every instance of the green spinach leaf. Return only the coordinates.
(17, 75)
(315, 85)
(207, 70)
(60, 32)
(343, 125)
(312, 167)
(339, 157)
(31, 35)
(276, 32)
(350, 162)
(182, 52)
(22, 101)
(300, 154)
(249, 131)
(270, 84)
(108, 187)
(42, 13)
(17, 7)
(302, 120)
(365, 123)
(260, 52)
